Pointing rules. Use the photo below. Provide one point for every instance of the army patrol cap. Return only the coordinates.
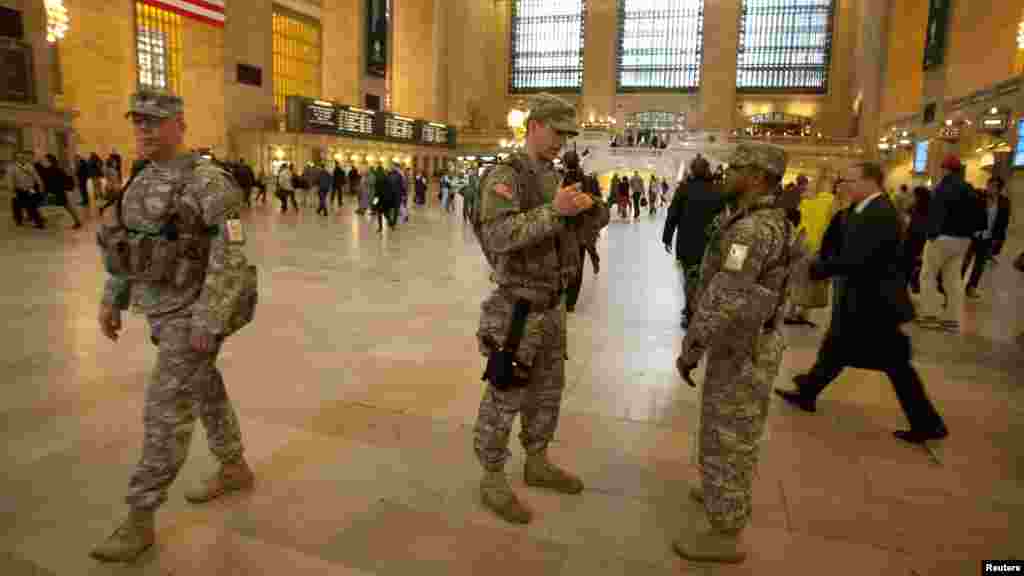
(555, 112)
(156, 104)
(771, 159)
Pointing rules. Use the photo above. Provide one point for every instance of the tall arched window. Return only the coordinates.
(547, 45)
(785, 45)
(660, 44)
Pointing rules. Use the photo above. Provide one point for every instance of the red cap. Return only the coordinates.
(952, 162)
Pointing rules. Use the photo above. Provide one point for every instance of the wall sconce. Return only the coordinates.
(57, 20)
(279, 153)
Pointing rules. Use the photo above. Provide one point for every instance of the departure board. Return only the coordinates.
(398, 128)
(434, 134)
(356, 121)
(336, 119)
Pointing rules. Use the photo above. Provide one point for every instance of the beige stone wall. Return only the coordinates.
(343, 26)
(414, 82)
(98, 69)
(202, 86)
(477, 73)
(982, 44)
(248, 39)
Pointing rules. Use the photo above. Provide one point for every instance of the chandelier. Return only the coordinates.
(56, 20)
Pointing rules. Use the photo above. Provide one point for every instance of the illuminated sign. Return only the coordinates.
(921, 157)
(336, 119)
(1018, 153)
(994, 121)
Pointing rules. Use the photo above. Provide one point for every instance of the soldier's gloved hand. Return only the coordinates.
(570, 201)
(686, 371)
(817, 270)
(595, 261)
(110, 321)
(202, 340)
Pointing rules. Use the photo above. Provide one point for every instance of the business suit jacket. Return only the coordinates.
(864, 252)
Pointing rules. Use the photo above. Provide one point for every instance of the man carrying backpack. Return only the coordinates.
(530, 229)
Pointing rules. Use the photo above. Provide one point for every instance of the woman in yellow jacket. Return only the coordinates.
(816, 212)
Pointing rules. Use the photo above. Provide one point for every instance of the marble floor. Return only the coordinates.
(358, 384)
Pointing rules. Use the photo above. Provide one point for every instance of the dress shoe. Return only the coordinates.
(921, 436)
(796, 398)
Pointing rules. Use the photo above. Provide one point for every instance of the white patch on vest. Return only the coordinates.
(162, 188)
(234, 230)
(737, 257)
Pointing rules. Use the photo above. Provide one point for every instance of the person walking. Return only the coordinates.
(870, 306)
(27, 185)
(988, 242)
(191, 313)
(325, 184)
(338, 189)
(285, 187)
(57, 183)
(82, 177)
(694, 206)
(636, 184)
(953, 218)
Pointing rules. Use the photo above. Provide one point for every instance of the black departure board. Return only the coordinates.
(434, 134)
(329, 118)
(398, 127)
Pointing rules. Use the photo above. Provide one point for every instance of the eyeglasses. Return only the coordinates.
(146, 122)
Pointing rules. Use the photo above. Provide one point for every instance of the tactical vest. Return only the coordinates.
(178, 254)
(529, 197)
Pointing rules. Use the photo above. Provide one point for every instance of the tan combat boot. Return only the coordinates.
(229, 478)
(711, 546)
(539, 471)
(499, 497)
(132, 538)
(697, 493)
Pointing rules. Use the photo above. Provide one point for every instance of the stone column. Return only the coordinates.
(717, 97)
(600, 81)
(248, 39)
(872, 45)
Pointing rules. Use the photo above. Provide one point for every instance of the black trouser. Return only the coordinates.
(636, 205)
(247, 195)
(25, 201)
(83, 189)
(284, 196)
(573, 291)
(981, 252)
(890, 354)
(322, 193)
(336, 194)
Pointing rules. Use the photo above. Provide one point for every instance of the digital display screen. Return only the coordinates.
(434, 134)
(1018, 153)
(326, 117)
(921, 157)
(398, 128)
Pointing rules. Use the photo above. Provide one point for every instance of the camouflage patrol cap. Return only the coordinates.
(555, 112)
(155, 103)
(771, 159)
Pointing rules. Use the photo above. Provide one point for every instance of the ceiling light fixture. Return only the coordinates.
(57, 20)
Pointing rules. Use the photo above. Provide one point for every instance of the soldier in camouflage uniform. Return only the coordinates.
(736, 322)
(188, 316)
(530, 228)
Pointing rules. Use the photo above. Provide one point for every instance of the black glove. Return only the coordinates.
(685, 371)
(668, 247)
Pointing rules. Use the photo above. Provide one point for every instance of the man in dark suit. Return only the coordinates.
(871, 304)
(693, 208)
(988, 242)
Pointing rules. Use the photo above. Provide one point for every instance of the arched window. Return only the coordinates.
(547, 45)
(785, 45)
(660, 44)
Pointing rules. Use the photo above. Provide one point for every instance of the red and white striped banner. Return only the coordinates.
(209, 11)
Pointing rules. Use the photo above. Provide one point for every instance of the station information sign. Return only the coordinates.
(329, 118)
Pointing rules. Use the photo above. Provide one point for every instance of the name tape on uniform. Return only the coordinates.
(737, 257)
(235, 233)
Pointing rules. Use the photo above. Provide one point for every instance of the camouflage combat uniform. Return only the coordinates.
(535, 252)
(184, 380)
(737, 319)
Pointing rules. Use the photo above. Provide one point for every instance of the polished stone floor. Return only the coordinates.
(358, 384)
